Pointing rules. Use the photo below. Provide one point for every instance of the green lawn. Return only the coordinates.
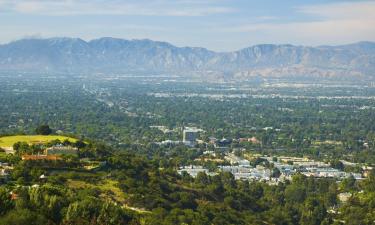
(31, 139)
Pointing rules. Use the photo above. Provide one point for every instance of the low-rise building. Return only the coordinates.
(212, 140)
(367, 170)
(4, 172)
(41, 157)
(344, 197)
(253, 140)
(168, 143)
(194, 170)
(247, 172)
(237, 160)
(61, 150)
(8, 150)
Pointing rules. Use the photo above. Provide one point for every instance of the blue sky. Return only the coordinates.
(220, 25)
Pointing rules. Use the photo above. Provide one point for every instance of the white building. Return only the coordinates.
(194, 170)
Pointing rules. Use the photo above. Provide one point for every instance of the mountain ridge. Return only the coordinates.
(117, 55)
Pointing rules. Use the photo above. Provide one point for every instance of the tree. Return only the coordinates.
(295, 193)
(313, 212)
(202, 179)
(21, 217)
(80, 144)
(43, 130)
(337, 164)
(112, 215)
(276, 172)
(5, 202)
(21, 148)
(81, 211)
(348, 184)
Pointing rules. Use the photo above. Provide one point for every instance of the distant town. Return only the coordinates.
(271, 169)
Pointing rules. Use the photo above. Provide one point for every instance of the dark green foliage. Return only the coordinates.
(43, 130)
(176, 199)
(22, 217)
(6, 203)
(337, 164)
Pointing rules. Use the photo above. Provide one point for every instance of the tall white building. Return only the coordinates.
(190, 136)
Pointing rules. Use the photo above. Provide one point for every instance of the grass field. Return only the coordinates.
(31, 139)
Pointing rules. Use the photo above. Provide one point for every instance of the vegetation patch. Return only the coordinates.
(9, 141)
(108, 187)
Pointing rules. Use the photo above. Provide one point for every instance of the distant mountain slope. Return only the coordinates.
(118, 55)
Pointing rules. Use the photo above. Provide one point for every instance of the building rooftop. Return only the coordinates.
(41, 157)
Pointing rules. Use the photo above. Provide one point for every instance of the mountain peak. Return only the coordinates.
(109, 54)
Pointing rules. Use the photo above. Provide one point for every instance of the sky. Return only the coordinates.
(221, 25)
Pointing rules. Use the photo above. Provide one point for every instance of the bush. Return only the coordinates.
(43, 130)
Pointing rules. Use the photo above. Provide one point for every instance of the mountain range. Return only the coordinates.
(111, 55)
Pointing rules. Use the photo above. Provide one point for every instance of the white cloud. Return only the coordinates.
(322, 24)
(114, 7)
(345, 10)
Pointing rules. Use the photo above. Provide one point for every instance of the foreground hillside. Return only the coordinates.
(354, 61)
(128, 188)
